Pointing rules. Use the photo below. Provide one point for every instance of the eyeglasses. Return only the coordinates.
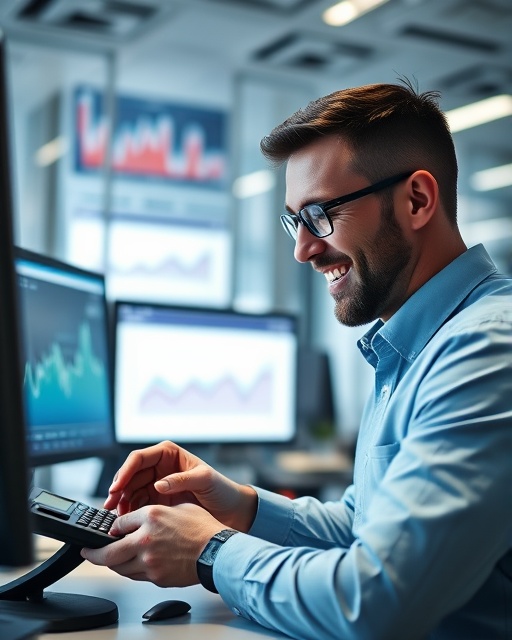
(315, 218)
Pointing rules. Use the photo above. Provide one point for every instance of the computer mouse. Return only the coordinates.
(167, 609)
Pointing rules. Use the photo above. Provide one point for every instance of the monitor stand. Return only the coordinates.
(26, 597)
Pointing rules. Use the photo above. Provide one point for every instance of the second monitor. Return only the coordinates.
(195, 375)
(66, 360)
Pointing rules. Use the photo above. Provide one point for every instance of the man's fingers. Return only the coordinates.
(196, 479)
(123, 561)
(141, 481)
(121, 551)
(112, 555)
(128, 523)
(137, 461)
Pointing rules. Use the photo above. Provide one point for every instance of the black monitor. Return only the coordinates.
(203, 376)
(65, 360)
(15, 532)
(16, 547)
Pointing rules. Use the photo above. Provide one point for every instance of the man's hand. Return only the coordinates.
(161, 544)
(168, 475)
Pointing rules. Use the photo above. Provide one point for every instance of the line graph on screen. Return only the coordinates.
(59, 390)
(224, 395)
(169, 266)
(168, 262)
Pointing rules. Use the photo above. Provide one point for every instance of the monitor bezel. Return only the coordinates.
(55, 457)
(16, 543)
(126, 445)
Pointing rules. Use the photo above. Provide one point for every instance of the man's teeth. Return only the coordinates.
(333, 275)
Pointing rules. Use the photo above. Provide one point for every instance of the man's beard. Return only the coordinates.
(378, 269)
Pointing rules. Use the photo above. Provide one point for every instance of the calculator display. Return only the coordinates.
(55, 502)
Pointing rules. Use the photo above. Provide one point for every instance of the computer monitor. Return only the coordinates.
(67, 373)
(15, 532)
(203, 376)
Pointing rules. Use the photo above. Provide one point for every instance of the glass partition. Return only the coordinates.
(59, 210)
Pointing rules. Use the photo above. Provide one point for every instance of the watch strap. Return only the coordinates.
(204, 564)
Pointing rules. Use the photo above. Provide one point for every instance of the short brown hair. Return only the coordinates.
(390, 128)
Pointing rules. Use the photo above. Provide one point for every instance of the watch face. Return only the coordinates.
(225, 534)
(210, 552)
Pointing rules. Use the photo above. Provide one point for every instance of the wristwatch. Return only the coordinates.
(204, 564)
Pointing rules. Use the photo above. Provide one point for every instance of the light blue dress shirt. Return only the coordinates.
(420, 545)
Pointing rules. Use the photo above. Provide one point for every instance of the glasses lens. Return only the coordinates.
(316, 219)
(290, 224)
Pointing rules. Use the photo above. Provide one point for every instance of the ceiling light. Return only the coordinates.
(253, 184)
(477, 113)
(494, 178)
(344, 12)
(51, 151)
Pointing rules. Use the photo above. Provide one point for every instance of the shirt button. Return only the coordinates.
(385, 391)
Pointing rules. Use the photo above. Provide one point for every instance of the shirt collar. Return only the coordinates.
(418, 319)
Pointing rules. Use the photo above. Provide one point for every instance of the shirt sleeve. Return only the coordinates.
(304, 521)
(437, 524)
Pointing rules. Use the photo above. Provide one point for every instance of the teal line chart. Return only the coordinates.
(60, 392)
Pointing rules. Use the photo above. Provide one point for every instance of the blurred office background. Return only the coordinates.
(136, 141)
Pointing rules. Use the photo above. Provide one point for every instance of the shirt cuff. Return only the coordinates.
(231, 569)
(274, 517)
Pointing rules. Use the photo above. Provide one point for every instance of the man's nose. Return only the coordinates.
(307, 245)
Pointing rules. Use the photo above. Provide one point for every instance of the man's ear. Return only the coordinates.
(423, 193)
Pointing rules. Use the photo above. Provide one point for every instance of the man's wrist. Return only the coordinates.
(248, 513)
(204, 564)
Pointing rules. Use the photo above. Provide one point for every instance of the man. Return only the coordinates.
(420, 545)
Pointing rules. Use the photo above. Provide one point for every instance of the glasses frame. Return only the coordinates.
(301, 216)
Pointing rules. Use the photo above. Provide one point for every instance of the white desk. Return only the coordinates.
(208, 618)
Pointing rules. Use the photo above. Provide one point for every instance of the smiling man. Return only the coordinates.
(419, 546)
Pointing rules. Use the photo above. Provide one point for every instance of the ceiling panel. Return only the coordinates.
(461, 47)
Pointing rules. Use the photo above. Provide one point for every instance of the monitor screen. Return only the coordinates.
(203, 375)
(66, 368)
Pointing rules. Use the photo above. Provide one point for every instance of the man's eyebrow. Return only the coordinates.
(290, 210)
(306, 204)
